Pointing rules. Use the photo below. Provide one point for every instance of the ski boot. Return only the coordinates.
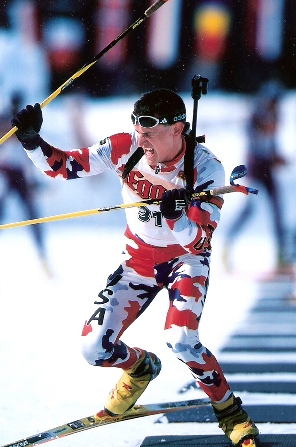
(235, 422)
(132, 383)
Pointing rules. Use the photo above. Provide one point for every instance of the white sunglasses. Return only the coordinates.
(152, 121)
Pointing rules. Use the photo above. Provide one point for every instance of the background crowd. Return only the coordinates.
(235, 43)
(244, 47)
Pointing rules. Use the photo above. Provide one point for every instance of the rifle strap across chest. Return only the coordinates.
(189, 160)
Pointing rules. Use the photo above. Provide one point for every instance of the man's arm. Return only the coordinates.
(76, 163)
(193, 225)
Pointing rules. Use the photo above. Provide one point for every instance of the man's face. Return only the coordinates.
(160, 143)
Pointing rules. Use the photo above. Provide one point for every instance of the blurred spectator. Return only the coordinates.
(263, 160)
(24, 78)
(24, 67)
(18, 179)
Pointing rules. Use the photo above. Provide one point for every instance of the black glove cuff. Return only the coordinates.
(174, 215)
(32, 142)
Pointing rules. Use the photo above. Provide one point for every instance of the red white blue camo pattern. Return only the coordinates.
(159, 253)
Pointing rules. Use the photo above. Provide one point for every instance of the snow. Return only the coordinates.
(44, 380)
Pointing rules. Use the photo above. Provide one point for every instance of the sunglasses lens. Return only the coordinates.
(147, 121)
(144, 121)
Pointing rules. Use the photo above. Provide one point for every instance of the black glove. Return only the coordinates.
(28, 122)
(172, 203)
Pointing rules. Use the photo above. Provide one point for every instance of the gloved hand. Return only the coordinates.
(172, 203)
(29, 122)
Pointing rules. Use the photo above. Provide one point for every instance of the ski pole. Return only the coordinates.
(87, 65)
(238, 172)
(199, 87)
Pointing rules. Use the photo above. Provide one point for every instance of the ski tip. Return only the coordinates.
(248, 443)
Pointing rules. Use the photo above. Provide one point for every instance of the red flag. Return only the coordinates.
(211, 24)
(113, 17)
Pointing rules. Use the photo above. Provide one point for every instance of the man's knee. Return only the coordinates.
(183, 344)
(95, 348)
(93, 354)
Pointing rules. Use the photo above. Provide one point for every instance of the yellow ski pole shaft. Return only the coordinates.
(85, 67)
(74, 214)
(202, 194)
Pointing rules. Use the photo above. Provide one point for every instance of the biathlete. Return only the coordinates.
(167, 245)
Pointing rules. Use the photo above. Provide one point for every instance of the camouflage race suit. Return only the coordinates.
(159, 253)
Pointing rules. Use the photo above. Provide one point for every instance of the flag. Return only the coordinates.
(164, 35)
(112, 18)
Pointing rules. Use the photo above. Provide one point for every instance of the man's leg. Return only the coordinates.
(187, 286)
(125, 297)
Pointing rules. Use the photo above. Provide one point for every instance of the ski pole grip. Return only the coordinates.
(154, 7)
(199, 86)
